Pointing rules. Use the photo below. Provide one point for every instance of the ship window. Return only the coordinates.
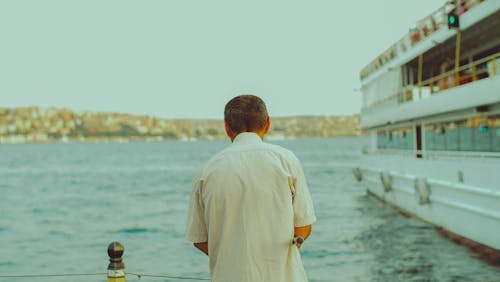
(452, 136)
(480, 134)
(401, 139)
(382, 139)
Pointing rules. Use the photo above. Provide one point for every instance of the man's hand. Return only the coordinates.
(302, 231)
(203, 246)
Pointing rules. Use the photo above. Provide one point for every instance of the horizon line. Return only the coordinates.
(154, 116)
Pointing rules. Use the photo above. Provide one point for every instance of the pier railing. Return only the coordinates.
(116, 270)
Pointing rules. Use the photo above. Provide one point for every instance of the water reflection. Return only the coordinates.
(407, 249)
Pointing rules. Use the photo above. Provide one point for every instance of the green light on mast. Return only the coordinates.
(453, 20)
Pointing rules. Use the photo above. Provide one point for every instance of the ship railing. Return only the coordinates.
(423, 28)
(462, 154)
(391, 98)
(431, 154)
(483, 68)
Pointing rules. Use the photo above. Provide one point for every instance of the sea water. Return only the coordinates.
(62, 204)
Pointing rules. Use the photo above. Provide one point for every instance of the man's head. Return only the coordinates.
(246, 113)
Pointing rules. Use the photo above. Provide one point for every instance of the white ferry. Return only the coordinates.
(431, 103)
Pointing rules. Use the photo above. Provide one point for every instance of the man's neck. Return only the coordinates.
(261, 134)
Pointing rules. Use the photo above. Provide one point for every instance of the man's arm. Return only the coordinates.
(303, 210)
(302, 231)
(196, 230)
(203, 246)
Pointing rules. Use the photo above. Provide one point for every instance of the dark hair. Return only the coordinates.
(245, 113)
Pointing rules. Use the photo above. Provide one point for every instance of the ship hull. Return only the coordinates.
(454, 193)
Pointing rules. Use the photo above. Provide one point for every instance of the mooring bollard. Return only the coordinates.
(116, 267)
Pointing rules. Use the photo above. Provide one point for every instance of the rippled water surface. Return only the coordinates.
(62, 204)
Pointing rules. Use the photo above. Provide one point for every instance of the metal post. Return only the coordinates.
(457, 59)
(420, 66)
(402, 95)
(431, 81)
(116, 267)
(494, 66)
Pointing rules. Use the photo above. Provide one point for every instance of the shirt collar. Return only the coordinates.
(247, 138)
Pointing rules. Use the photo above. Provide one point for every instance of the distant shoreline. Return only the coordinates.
(270, 138)
(53, 125)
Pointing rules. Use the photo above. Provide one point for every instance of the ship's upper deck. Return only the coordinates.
(402, 83)
(424, 28)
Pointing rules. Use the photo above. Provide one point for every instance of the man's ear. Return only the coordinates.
(262, 133)
(229, 132)
(268, 125)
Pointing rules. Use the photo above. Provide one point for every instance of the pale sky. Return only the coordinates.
(187, 58)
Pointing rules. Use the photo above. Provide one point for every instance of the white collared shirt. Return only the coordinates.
(245, 202)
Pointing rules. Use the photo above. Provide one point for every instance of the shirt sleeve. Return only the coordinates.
(302, 203)
(196, 230)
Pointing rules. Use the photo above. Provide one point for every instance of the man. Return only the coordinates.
(249, 202)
